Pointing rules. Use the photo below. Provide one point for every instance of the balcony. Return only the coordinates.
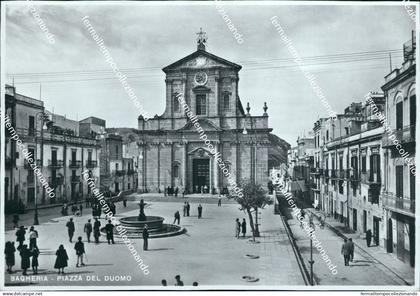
(327, 173)
(27, 165)
(119, 173)
(354, 175)
(91, 164)
(75, 179)
(370, 177)
(316, 171)
(342, 174)
(130, 172)
(30, 179)
(56, 164)
(75, 164)
(334, 174)
(315, 188)
(400, 205)
(404, 136)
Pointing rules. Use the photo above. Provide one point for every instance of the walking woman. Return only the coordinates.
(61, 260)
(9, 252)
(25, 262)
(35, 254)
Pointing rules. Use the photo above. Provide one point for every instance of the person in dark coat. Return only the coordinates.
(125, 203)
(200, 211)
(243, 226)
(96, 230)
(9, 252)
(25, 262)
(33, 236)
(80, 250)
(345, 251)
(109, 228)
(351, 244)
(20, 236)
(176, 191)
(88, 230)
(145, 238)
(219, 202)
(188, 209)
(70, 229)
(368, 237)
(178, 281)
(81, 209)
(15, 220)
(185, 209)
(61, 260)
(35, 254)
(177, 217)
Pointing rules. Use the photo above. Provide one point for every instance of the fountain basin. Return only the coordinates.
(154, 223)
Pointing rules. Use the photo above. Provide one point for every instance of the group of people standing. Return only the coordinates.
(240, 228)
(178, 282)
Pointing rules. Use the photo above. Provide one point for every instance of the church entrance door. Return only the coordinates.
(201, 175)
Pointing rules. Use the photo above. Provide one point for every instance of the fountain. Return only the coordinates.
(135, 224)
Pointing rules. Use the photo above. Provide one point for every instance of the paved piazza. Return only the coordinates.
(208, 253)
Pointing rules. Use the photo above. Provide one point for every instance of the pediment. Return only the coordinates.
(205, 124)
(200, 60)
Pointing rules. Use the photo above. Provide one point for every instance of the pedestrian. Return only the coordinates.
(195, 284)
(125, 203)
(177, 217)
(368, 237)
(61, 260)
(237, 228)
(219, 203)
(243, 226)
(20, 236)
(145, 238)
(109, 229)
(200, 211)
(345, 251)
(25, 262)
(88, 230)
(351, 244)
(113, 209)
(178, 280)
(63, 210)
(15, 220)
(33, 235)
(73, 209)
(80, 250)
(176, 191)
(81, 209)
(9, 252)
(188, 209)
(87, 201)
(96, 230)
(70, 229)
(164, 283)
(184, 210)
(35, 254)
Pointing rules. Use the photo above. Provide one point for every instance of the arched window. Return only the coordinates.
(176, 102)
(226, 103)
(176, 170)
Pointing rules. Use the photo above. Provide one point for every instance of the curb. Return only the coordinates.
(364, 251)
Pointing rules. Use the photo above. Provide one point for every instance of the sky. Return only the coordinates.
(146, 37)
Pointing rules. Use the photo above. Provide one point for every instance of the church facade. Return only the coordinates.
(173, 153)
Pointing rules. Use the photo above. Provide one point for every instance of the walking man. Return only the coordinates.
(351, 245)
(88, 230)
(188, 209)
(368, 237)
(70, 229)
(345, 251)
(81, 209)
(109, 228)
(80, 250)
(97, 230)
(184, 210)
(243, 227)
(200, 211)
(177, 217)
(20, 236)
(33, 235)
(219, 203)
(15, 220)
(145, 238)
(237, 228)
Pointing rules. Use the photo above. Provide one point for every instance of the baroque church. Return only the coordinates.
(171, 151)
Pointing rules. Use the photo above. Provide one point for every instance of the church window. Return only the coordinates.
(201, 105)
(226, 105)
(176, 171)
(176, 102)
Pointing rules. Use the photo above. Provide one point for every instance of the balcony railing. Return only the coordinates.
(390, 201)
(54, 182)
(405, 135)
(316, 171)
(55, 163)
(333, 173)
(119, 173)
(30, 179)
(75, 164)
(130, 172)
(354, 175)
(91, 164)
(27, 165)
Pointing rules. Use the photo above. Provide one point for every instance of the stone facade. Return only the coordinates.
(172, 153)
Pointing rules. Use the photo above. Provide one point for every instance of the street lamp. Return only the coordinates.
(41, 115)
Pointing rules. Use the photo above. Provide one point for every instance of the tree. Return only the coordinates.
(253, 197)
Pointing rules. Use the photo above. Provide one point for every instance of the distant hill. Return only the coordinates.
(277, 153)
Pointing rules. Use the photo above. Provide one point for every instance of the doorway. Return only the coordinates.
(376, 230)
(390, 239)
(201, 175)
(354, 219)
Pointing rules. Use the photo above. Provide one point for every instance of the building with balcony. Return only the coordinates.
(54, 145)
(399, 144)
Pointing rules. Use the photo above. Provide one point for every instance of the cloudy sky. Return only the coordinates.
(345, 46)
